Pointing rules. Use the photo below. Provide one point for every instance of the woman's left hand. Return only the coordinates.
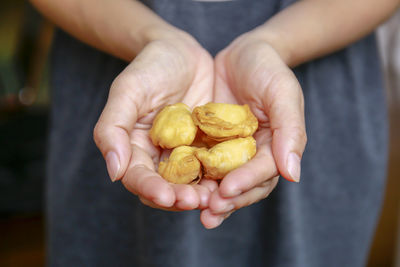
(250, 71)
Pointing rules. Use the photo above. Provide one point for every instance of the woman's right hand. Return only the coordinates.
(166, 71)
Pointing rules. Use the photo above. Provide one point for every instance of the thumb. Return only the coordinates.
(111, 133)
(286, 113)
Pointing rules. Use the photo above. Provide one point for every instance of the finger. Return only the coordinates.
(111, 133)
(221, 205)
(144, 182)
(209, 183)
(210, 220)
(286, 113)
(259, 169)
(186, 197)
(202, 192)
(154, 206)
(204, 195)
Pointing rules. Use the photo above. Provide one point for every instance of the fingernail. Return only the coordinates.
(113, 165)
(293, 165)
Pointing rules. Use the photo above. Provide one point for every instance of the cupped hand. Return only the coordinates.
(166, 71)
(250, 71)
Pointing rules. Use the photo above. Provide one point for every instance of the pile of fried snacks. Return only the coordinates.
(209, 142)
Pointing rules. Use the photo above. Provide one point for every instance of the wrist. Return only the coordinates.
(170, 36)
(174, 38)
(164, 32)
(277, 41)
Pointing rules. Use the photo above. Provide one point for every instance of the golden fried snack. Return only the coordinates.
(225, 121)
(226, 156)
(202, 140)
(182, 167)
(173, 126)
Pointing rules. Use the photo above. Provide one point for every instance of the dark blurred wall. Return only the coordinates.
(23, 108)
(25, 40)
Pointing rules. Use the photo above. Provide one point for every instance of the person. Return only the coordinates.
(266, 55)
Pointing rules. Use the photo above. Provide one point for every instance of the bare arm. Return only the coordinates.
(312, 28)
(120, 27)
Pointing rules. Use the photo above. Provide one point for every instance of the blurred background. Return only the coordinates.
(25, 39)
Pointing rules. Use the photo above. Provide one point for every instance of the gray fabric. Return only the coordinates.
(326, 220)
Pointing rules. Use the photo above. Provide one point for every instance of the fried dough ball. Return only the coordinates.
(225, 121)
(173, 126)
(226, 156)
(182, 166)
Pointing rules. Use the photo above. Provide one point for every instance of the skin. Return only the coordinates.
(254, 69)
(137, 90)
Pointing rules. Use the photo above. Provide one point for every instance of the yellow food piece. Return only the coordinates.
(202, 140)
(226, 156)
(173, 126)
(182, 166)
(225, 121)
